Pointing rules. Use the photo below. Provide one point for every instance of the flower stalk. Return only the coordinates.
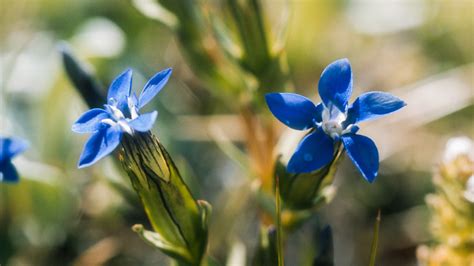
(179, 222)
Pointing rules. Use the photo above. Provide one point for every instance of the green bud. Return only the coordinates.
(307, 190)
(178, 220)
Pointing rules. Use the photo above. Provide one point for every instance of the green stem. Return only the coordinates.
(278, 222)
(375, 240)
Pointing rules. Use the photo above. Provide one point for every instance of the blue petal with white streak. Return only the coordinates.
(120, 89)
(144, 122)
(372, 105)
(90, 121)
(99, 145)
(335, 84)
(154, 86)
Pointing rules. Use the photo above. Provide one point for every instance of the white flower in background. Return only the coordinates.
(386, 16)
(99, 37)
(458, 146)
(469, 192)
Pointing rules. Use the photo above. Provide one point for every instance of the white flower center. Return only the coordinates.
(332, 122)
(132, 108)
(118, 118)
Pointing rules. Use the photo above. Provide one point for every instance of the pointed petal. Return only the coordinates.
(314, 151)
(153, 86)
(292, 109)
(363, 153)
(10, 147)
(99, 145)
(144, 122)
(372, 105)
(120, 89)
(335, 84)
(8, 172)
(90, 121)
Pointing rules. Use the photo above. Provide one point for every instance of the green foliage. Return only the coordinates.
(325, 255)
(82, 78)
(267, 249)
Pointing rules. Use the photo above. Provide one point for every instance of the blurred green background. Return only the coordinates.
(420, 50)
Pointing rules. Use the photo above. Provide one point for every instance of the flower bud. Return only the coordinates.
(178, 220)
(307, 190)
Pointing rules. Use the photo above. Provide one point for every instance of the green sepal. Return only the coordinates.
(307, 190)
(156, 240)
(178, 219)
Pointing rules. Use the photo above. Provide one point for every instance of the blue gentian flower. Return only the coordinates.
(333, 121)
(9, 148)
(120, 115)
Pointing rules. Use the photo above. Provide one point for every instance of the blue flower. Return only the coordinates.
(9, 148)
(333, 121)
(120, 115)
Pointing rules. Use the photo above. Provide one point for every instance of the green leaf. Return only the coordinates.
(325, 255)
(266, 253)
(82, 78)
(152, 9)
(157, 241)
(375, 240)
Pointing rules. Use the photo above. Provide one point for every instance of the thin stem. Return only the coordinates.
(375, 240)
(278, 222)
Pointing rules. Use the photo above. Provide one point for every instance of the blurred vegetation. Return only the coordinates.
(452, 211)
(59, 215)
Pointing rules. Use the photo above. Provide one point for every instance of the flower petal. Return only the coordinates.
(99, 145)
(10, 147)
(153, 86)
(372, 105)
(8, 172)
(314, 151)
(120, 89)
(292, 109)
(335, 84)
(318, 114)
(90, 121)
(144, 122)
(363, 153)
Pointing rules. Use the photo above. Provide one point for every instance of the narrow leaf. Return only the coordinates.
(375, 240)
(82, 78)
(157, 241)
